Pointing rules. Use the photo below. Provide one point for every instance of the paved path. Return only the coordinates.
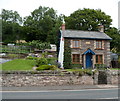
(67, 87)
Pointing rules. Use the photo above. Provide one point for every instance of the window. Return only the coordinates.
(99, 59)
(99, 44)
(76, 58)
(76, 44)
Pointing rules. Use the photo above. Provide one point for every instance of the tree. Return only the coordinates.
(87, 19)
(0, 30)
(41, 25)
(11, 29)
(114, 33)
(39, 45)
(12, 16)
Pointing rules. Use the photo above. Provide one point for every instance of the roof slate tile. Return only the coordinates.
(85, 34)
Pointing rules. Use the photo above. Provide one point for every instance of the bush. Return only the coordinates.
(46, 67)
(31, 58)
(52, 61)
(100, 66)
(76, 66)
(12, 56)
(88, 72)
(41, 61)
(81, 71)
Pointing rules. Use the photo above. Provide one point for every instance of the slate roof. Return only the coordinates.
(85, 34)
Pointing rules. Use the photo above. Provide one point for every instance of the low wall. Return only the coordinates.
(19, 79)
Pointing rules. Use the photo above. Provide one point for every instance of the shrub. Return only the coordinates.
(100, 66)
(41, 61)
(46, 67)
(12, 56)
(76, 66)
(81, 71)
(88, 72)
(52, 61)
(31, 58)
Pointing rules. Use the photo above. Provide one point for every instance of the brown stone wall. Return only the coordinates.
(15, 80)
(45, 79)
(86, 43)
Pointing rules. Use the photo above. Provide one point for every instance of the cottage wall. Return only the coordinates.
(87, 43)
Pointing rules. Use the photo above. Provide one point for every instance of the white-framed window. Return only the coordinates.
(75, 43)
(99, 44)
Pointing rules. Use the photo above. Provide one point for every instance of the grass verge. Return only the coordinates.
(18, 64)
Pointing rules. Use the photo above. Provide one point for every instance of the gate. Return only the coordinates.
(102, 77)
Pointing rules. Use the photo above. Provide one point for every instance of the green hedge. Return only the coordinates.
(31, 58)
(15, 49)
(100, 66)
(46, 67)
(77, 66)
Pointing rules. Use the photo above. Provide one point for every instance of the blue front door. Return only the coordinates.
(88, 60)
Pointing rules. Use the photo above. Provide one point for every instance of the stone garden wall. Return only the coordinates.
(20, 78)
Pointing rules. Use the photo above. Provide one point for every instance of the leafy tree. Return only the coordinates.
(12, 16)
(0, 30)
(11, 29)
(41, 25)
(39, 45)
(114, 33)
(87, 19)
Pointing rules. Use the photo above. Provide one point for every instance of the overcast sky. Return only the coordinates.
(24, 7)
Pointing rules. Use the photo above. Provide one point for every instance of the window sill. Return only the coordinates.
(75, 62)
(99, 63)
(99, 49)
(76, 48)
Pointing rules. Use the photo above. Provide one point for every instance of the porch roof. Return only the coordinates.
(89, 51)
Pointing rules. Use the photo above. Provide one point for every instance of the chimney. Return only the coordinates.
(63, 27)
(101, 28)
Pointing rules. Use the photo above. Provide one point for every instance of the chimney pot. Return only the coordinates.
(63, 26)
(101, 28)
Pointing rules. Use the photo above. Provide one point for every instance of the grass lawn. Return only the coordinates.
(115, 68)
(72, 70)
(18, 64)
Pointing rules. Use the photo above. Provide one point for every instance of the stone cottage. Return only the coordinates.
(88, 48)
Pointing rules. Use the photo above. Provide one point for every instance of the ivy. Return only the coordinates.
(67, 54)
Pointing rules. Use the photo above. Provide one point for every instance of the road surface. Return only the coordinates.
(63, 94)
